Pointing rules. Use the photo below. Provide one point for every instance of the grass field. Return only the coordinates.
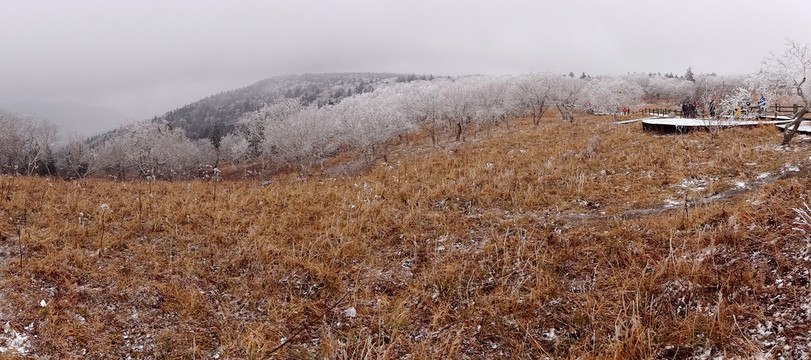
(565, 240)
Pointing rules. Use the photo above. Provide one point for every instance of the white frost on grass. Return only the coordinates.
(350, 312)
(692, 184)
(14, 342)
(790, 168)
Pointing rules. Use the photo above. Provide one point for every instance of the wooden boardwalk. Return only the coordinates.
(805, 127)
(683, 125)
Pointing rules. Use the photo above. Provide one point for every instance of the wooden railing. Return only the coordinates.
(774, 110)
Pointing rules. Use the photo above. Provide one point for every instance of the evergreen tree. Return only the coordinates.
(689, 75)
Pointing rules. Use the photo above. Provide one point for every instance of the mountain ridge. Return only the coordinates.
(217, 114)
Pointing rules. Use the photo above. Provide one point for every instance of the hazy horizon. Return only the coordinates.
(146, 58)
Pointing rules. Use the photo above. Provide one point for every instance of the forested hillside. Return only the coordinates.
(217, 114)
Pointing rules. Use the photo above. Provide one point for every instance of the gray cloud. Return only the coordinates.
(147, 57)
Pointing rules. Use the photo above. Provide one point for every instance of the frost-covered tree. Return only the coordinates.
(735, 104)
(458, 108)
(669, 88)
(253, 125)
(421, 106)
(710, 90)
(75, 159)
(233, 149)
(567, 95)
(535, 93)
(492, 100)
(300, 136)
(154, 149)
(787, 75)
(368, 121)
(609, 94)
(38, 137)
(11, 143)
(111, 155)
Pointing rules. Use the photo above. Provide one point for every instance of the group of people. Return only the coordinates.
(689, 110)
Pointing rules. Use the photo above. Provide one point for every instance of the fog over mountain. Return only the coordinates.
(146, 58)
(71, 118)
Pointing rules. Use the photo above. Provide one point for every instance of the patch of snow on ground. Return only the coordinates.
(790, 168)
(350, 312)
(11, 340)
(692, 184)
(549, 335)
(763, 176)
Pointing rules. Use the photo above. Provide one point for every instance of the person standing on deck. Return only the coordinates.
(762, 104)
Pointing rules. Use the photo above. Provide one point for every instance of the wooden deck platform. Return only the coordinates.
(805, 127)
(682, 125)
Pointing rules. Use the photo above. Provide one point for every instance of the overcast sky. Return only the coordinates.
(147, 57)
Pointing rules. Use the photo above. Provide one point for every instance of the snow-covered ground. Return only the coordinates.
(12, 342)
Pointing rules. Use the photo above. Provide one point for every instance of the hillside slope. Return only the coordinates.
(514, 244)
(219, 112)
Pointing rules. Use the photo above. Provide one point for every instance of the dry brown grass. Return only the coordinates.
(502, 247)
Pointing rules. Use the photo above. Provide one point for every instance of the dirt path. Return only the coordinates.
(689, 203)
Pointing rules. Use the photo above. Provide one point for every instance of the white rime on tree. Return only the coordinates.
(153, 149)
(713, 89)
(491, 97)
(75, 160)
(369, 120)
(670, 89)
(26, 145)
(787, 75)
(458, 106)
(421, 106)
(234, 149)
(534, 93)
(11, 142)
(299, 136)
(567, 95)
(734, 105)
(609, 94)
